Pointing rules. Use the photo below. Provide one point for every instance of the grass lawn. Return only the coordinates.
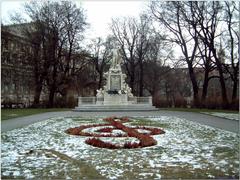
(187, 150)
(13, 113)
(198, 110)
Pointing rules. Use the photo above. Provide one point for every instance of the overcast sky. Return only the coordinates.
(99, 12)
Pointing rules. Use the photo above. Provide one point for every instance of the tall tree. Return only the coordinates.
(204, 57)
(231, 39)
(155, 66)
(170, 15)
(101, 55)
(142, 46)
(59, 27)
(207, 16)
(125, 31)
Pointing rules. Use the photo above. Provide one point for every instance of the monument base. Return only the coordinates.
(115, 103)
(114, 108)
(120, 99)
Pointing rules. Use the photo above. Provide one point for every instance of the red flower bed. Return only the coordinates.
(101, 144)
(79, 130)
(117, 123)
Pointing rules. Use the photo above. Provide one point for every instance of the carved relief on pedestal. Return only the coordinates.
(115, 82)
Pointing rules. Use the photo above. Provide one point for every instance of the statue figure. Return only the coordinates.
(100, 93)
(129, 92)
(116, 60)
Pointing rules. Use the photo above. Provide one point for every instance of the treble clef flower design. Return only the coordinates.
(114, 123)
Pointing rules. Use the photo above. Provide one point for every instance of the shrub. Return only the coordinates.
(213, 103)
(234, 104)
(180, 102)
(161, 102)
(71, 102)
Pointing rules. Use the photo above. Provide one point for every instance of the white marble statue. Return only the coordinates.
(129, 92)
(100, 92)
(116, 60)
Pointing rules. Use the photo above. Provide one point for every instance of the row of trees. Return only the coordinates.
(146, 44)
(55, 32)
(197, 28)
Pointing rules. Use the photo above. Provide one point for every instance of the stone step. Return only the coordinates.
(95, 108)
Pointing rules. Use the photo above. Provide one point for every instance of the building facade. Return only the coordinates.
(17, 81)
(17, 72)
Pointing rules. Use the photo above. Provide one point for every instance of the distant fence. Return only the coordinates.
(140, 100)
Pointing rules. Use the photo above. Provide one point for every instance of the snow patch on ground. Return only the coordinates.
(185, 144)
(144, 131)
(119, 140)
(231, 116)
(95, 129)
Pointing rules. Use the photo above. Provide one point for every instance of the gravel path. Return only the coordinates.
(222, 123)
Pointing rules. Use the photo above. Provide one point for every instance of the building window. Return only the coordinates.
(6, 88)
(5, 57)
(5, 44)
(14, 58)
(2, 89)
(11, 46)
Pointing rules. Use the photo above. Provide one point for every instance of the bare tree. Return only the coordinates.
(170, 15)
(155, 67)
(142, 46)
(204, 57)
(126, 31)
(231, 39)
(57, 30)
(101, 55)
(133, 36)
(207, 16)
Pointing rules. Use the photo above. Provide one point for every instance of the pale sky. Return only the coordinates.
(99, 13)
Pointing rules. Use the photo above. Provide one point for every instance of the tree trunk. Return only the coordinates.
(51, 97)
(194, 86)
(37, 93)
(221, 79)
(132, 78)
(132, 84)
(205, 87)
(100, 80)
(234, 90)
(52, 88)
(141, 80)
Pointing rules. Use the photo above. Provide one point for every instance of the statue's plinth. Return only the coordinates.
(112, 99)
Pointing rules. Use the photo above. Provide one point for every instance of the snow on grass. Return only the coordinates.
(120, 140)
(231, 116)
(96, 129)
(186, 150)
(143, 131)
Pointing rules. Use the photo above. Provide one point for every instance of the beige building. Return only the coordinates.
(17, 83)
(16, 69)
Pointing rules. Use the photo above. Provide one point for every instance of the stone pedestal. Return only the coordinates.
(116, 91)
(115, 99)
